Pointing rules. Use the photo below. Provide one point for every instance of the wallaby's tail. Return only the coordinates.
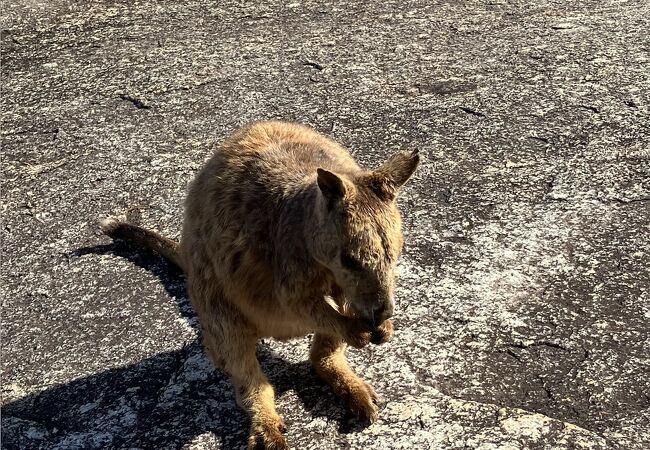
(144, 238)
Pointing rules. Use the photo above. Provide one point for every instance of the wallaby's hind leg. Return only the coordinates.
(328, 358)
(233, 349)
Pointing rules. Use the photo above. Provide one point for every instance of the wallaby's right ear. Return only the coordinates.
(331, 185)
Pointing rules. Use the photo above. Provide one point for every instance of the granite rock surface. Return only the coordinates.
(523, 307)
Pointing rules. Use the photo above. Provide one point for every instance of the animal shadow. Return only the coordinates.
(164, 402)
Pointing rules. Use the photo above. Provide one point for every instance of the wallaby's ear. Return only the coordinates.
(386, 180)
(331, 185)
(399, 167)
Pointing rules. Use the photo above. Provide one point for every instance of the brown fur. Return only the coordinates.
(285, 235)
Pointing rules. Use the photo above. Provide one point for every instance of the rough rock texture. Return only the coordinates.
(524, 301)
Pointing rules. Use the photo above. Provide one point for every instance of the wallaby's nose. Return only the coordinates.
(382, 312)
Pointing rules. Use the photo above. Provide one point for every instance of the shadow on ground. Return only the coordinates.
(161, 402)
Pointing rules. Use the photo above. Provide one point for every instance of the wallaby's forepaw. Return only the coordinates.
(362, 400)
(358, 334)
(268, 436)
(383, 333)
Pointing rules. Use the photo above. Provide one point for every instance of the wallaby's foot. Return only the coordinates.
(233, 350)
(268, 435)
(328, 358)
(361, 399)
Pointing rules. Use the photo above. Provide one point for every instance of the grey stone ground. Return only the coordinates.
(523, 303)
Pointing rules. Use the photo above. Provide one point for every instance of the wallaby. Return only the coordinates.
(284, 235)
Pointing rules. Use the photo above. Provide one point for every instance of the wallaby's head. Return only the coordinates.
(359, 233)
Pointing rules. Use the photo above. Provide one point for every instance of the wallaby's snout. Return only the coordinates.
(383, 312)
(374, 307)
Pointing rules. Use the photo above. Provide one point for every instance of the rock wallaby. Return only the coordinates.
(286, 235)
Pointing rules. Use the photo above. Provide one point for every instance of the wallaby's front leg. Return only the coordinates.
(235, 354)
(328, 358)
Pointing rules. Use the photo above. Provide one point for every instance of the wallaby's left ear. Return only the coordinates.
(399, 167)
(386, 180)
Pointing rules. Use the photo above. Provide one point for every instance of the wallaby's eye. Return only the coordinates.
(350, 262)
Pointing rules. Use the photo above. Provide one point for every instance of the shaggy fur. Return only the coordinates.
(285, 235)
